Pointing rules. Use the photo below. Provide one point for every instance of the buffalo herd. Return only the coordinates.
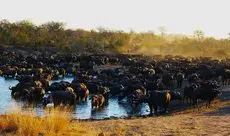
(135, 78)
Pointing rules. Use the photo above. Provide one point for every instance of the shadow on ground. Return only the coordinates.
(224, 111)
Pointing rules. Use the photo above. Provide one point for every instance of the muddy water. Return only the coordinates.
(82, 111)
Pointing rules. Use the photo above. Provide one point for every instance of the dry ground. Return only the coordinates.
(213, 121)
(205, 121)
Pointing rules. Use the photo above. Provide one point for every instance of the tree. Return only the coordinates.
(53, 26)
(162, 30)
(26, 34)
(53, 33)
(198, 34)
(5, 31)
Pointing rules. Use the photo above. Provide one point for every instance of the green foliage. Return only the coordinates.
(53, 34)
(198, 34)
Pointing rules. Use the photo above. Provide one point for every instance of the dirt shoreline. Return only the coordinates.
(190, 122)
(206, 121)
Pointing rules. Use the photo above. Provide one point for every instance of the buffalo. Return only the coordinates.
(60, 97)
(157, 99)
(97, 101)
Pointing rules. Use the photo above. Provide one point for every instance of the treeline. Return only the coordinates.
(54, 34)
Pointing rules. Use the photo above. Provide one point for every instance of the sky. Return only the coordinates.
(178, 16)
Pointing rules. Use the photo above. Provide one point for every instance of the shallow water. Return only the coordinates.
(82, 111)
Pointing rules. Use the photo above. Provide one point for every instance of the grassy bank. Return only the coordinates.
(27, 124)
(214, 120)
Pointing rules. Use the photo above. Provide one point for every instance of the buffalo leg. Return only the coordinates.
(155, 109)
(165, 108)
(150, 108)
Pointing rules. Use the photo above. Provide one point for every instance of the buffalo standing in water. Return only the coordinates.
(60, 97)
(157, 99)
(98, 101)
(81, 91)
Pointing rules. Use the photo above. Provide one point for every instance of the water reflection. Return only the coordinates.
(82, 110)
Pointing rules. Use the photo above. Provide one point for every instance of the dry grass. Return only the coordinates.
(56, 123)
